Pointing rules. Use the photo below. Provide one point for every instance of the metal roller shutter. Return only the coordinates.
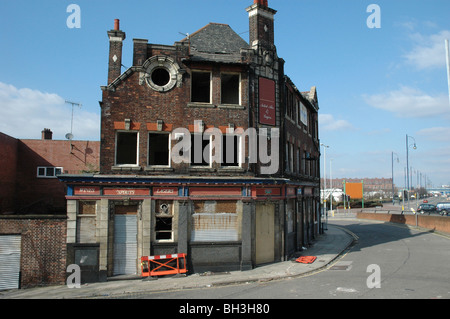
(9, 261)
(125, 244)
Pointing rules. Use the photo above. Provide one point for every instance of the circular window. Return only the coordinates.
(161, 73)
(160, 76)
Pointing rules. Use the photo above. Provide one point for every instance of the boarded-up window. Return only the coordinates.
(86, 222)
(214, 221)
(86, 207)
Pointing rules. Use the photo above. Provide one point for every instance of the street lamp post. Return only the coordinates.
(407, 162)
(393, 176)
(325, 182)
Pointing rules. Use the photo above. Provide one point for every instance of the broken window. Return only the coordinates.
(201, 87)
(158, 149)
(200, 150)
(164, 220)
(230, 150)
(126, 148)
(230, 88)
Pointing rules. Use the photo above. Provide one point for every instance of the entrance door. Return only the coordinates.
(265, 235)
(125, 240)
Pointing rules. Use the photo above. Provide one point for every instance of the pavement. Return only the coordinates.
(327, 248)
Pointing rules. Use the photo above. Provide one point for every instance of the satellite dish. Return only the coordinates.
(69, 136)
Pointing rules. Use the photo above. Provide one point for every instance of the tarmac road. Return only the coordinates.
(411, 264)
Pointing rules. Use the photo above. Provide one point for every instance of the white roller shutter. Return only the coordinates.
(125, 244)
(9, 261)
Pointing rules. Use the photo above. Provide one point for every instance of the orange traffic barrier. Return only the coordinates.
(306, 259)
(163, 265)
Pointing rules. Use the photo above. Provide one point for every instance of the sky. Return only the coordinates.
(380, 73)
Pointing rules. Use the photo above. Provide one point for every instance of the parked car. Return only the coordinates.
(426, 208)
(443, 208)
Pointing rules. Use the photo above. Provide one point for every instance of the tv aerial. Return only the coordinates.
(69, 136)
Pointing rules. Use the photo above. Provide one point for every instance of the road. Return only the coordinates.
(386, 262)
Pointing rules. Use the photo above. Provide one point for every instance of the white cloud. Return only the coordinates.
(429, 51)
(25, 112)
(409, 102)
(438, 134)
(327, 122)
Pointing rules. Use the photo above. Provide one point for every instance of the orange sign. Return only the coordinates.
(354, 190)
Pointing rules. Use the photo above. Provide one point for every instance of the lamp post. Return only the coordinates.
(407, 162)
(325, 182)
(393, 176)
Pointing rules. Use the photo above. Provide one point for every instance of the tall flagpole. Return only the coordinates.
(447, 51)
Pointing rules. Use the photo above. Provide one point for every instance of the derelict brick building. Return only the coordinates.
(181, 172)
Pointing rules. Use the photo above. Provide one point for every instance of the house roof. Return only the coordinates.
(216, 42)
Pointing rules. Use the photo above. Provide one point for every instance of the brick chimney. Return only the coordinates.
(47, 134)
(261, 24)
(116, 38)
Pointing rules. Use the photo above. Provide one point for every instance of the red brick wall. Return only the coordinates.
(8, 165)
(43, 253)
(46, 195)
(142, 105)
(438, 223)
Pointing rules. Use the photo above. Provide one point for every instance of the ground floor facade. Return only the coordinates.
(221, 224)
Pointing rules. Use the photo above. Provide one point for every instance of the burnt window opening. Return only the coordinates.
(230, 150)
(126, 148)
(200, 150)
(163, 220)
(163, 228)
(160, 76)
(201, 87)
(158, 149)
(230, 88)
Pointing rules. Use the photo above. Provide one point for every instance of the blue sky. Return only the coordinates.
(375, 85)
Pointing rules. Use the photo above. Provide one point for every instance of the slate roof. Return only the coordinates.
(216, 42)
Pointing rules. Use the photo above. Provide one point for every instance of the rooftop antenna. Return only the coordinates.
(69, 136)
(188, 38)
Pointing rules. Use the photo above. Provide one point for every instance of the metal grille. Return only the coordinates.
(9, 261)
(214, 227)
(125, 244)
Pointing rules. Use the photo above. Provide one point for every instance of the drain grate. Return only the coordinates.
(342, 265)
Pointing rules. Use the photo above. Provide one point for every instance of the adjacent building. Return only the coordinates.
(33, 222)
(207, 148)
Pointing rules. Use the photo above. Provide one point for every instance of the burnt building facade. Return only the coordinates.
(207, 148)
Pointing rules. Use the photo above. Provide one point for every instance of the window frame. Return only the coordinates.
(158, 215)
(191, 162)
(169, 146)
(238, 89)
(116, 148)
(210, 86)
(45, 175)
(238, 148)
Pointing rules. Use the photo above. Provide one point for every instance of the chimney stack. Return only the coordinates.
(116, 38)
(261, 24)
(261, 2)
(47, 134)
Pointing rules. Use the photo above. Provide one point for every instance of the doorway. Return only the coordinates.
(265, 233)
(125, 240)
